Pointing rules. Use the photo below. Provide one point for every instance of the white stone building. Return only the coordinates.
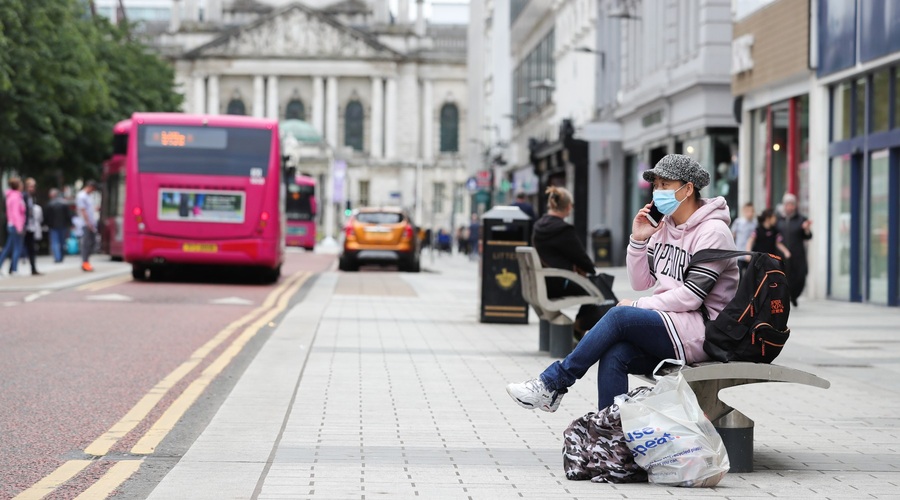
(386, 91)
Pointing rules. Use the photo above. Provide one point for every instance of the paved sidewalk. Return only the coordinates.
(57, 276)
(385, 385)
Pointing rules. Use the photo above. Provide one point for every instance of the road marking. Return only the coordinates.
(231, 301)
(35, 296)
(139, 411)
(161, 428)
(114, 477)
(54, 480)
(96, 286)
(111, 297)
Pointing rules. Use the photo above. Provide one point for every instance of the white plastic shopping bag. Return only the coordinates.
(670, 436)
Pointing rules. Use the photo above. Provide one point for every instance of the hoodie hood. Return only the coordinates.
(549, 227)
(710, 209)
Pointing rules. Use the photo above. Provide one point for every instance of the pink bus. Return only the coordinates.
(300, 208)
(113, 207)
(203, 190)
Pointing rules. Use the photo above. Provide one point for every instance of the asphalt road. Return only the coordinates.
(95, 375)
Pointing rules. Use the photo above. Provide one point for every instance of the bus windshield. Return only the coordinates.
(300, 202)
(181, 149)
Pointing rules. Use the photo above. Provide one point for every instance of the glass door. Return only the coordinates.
(879, 212)
(840, 228)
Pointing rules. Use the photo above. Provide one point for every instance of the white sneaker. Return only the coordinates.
(533, 394)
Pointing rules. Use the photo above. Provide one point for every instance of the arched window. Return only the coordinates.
(295, 110)
(449, 128)
(353, 125)
(236, 107)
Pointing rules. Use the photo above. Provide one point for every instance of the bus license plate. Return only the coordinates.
(200, 247)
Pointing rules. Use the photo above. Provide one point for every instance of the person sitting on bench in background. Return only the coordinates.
(557, 245)
(636, 335)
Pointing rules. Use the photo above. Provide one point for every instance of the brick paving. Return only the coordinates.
(385, 385)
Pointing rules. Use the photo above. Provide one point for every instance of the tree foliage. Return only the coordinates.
(65, 79)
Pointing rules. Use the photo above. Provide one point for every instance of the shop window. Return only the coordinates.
(859, 111)
(897, 97)
(879, 209)
(840, 106)
(353, 126)
(881, 89)
(840, 227)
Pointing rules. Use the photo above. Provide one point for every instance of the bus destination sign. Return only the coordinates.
(185, 137)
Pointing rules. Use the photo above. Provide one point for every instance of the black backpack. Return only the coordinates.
(753, 326)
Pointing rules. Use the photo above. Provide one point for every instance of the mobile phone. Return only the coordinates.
(654, 216)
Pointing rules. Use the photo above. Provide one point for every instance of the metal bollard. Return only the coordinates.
(561, 339)
(544, 335)
(736, 431)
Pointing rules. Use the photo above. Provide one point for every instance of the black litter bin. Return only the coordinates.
(502, 230)
(601, 242)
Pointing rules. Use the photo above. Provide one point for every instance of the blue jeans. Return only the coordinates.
(626, 340)
(57, 240)
(12, 248)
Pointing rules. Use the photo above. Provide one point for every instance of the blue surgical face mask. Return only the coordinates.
(665, 200)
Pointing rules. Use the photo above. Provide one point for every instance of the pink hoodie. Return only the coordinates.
(662, 260)
(15, 209)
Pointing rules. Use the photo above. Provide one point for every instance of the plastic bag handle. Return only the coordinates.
(670, 361)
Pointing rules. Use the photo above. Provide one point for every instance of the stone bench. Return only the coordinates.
(736, 429)
(556, 326)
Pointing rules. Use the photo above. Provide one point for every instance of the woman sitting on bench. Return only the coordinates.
(557, 245)
(636, 335)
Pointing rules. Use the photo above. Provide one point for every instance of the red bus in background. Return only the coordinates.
(300, 208)
(203, 189)
(113, 206)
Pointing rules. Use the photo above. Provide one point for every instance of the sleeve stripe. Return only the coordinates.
(695, 289)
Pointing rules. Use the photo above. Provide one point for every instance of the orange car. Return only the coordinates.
(383, 235)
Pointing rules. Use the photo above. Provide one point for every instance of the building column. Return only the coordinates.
(377, 118)
(427, 120)
(199, 96)
(272, 104)
(331, 111)
(318, 105)
(258, 96)
(212, 104)
(390, 119)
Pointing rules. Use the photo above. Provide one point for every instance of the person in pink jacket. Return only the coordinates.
(636, 335)
(15, 224)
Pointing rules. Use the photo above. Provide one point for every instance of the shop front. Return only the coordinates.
(859, 68)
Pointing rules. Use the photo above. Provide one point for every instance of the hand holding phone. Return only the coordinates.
(654, 215)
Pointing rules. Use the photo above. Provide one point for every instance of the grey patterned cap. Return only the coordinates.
(679, 168)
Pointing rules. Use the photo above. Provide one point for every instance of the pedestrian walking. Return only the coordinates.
(742, 228)
(795, 229)
(84, 203)
(636, 335)
(33, 225)
(522, 203)
(59, 220)
(766, 238)
(474, 236)
(15, 225)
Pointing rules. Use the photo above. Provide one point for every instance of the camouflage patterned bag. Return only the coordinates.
(595, 448)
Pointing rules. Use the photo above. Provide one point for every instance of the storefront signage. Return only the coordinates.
(742, 54)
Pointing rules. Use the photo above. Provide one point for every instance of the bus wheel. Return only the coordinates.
(138, 272)
(271, 275)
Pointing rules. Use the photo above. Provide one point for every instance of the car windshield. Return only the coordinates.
(379, 217)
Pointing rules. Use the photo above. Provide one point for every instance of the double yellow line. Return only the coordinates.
(274, 304)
